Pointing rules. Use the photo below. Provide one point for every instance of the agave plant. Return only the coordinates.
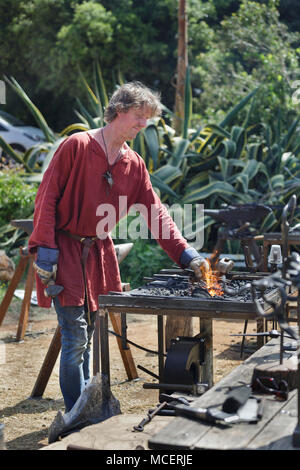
(244, 164)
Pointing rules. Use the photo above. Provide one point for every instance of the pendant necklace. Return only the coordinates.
(107, 175)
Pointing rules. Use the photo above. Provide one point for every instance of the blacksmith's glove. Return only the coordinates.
(46, 263)
(192, 259)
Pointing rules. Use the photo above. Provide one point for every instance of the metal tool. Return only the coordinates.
(194, 389)
(235, 225)
(209, 415)
(251, 411)
(170, 399)
(184, 359)
(150, 416)
(272, 334)
(169, 409)
(52, 290)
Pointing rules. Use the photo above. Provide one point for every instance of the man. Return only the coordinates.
(90, 169)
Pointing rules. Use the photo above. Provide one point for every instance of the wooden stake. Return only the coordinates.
(13, 285)
(23, 320)
(48, 364)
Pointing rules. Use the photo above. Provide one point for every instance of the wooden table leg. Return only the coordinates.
(12, 286)
(104, 344)
(96, 345)
(260, 328)
(48, 365)
(23, 320)
(206, 331)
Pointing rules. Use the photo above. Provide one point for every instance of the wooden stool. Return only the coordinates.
(25, 259)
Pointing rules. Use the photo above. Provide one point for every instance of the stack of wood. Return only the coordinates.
(7, 267)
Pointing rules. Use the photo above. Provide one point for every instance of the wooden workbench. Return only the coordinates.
(273, 431)
(206, 311)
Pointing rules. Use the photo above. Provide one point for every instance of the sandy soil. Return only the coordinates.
(27, 420)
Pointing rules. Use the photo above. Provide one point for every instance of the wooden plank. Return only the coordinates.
(277, 433)
(47, 366)
(184, 433)
(178, 303)
(239, 436)
(23, 320)
(115, 433)
(194, 313)
(12, 286)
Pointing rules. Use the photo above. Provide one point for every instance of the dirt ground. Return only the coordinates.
(26, 420)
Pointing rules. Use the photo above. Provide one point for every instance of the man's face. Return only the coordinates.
(133, 121)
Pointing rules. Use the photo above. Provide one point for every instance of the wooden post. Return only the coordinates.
(13, 285)
(125, 353)
(23, 320)
(182, 62)
(177, 325)
(48, 364)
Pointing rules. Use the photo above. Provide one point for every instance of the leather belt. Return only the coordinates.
(87, 243)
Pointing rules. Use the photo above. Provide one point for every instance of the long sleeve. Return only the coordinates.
(48, 195)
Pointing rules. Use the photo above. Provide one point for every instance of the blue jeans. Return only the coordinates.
(76, 335)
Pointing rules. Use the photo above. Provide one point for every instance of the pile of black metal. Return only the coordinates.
(180, 286)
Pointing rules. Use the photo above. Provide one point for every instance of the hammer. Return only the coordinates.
(52, 290)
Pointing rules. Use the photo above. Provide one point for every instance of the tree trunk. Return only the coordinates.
(177, 325)
(182, 63)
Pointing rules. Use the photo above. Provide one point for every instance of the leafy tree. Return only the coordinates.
(252, 47)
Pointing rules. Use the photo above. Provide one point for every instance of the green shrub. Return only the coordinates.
(16, 197)
(145, 259)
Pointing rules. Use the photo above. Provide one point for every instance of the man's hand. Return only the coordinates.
(45, 276)
(200, 266)
(46, 264)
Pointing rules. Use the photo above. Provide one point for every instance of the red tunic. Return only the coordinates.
(72, 189)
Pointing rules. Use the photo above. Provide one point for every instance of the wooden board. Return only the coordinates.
(184, 433)
(179, 304)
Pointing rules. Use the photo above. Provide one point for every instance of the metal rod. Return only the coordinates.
(124, 331)
(243, 339)
(161, 345)
(104, 344)
(148, 372)
(136, 345)
(296, 434)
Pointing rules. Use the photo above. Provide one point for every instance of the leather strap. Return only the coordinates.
(87, 242)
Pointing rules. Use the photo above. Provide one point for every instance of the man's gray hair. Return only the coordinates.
(132, 95)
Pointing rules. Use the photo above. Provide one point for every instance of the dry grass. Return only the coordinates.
(27, 420)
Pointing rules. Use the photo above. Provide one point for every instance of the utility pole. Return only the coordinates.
(182, 63)
(180, 325)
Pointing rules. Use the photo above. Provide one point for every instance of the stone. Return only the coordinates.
(95, 404)
(7, 267)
